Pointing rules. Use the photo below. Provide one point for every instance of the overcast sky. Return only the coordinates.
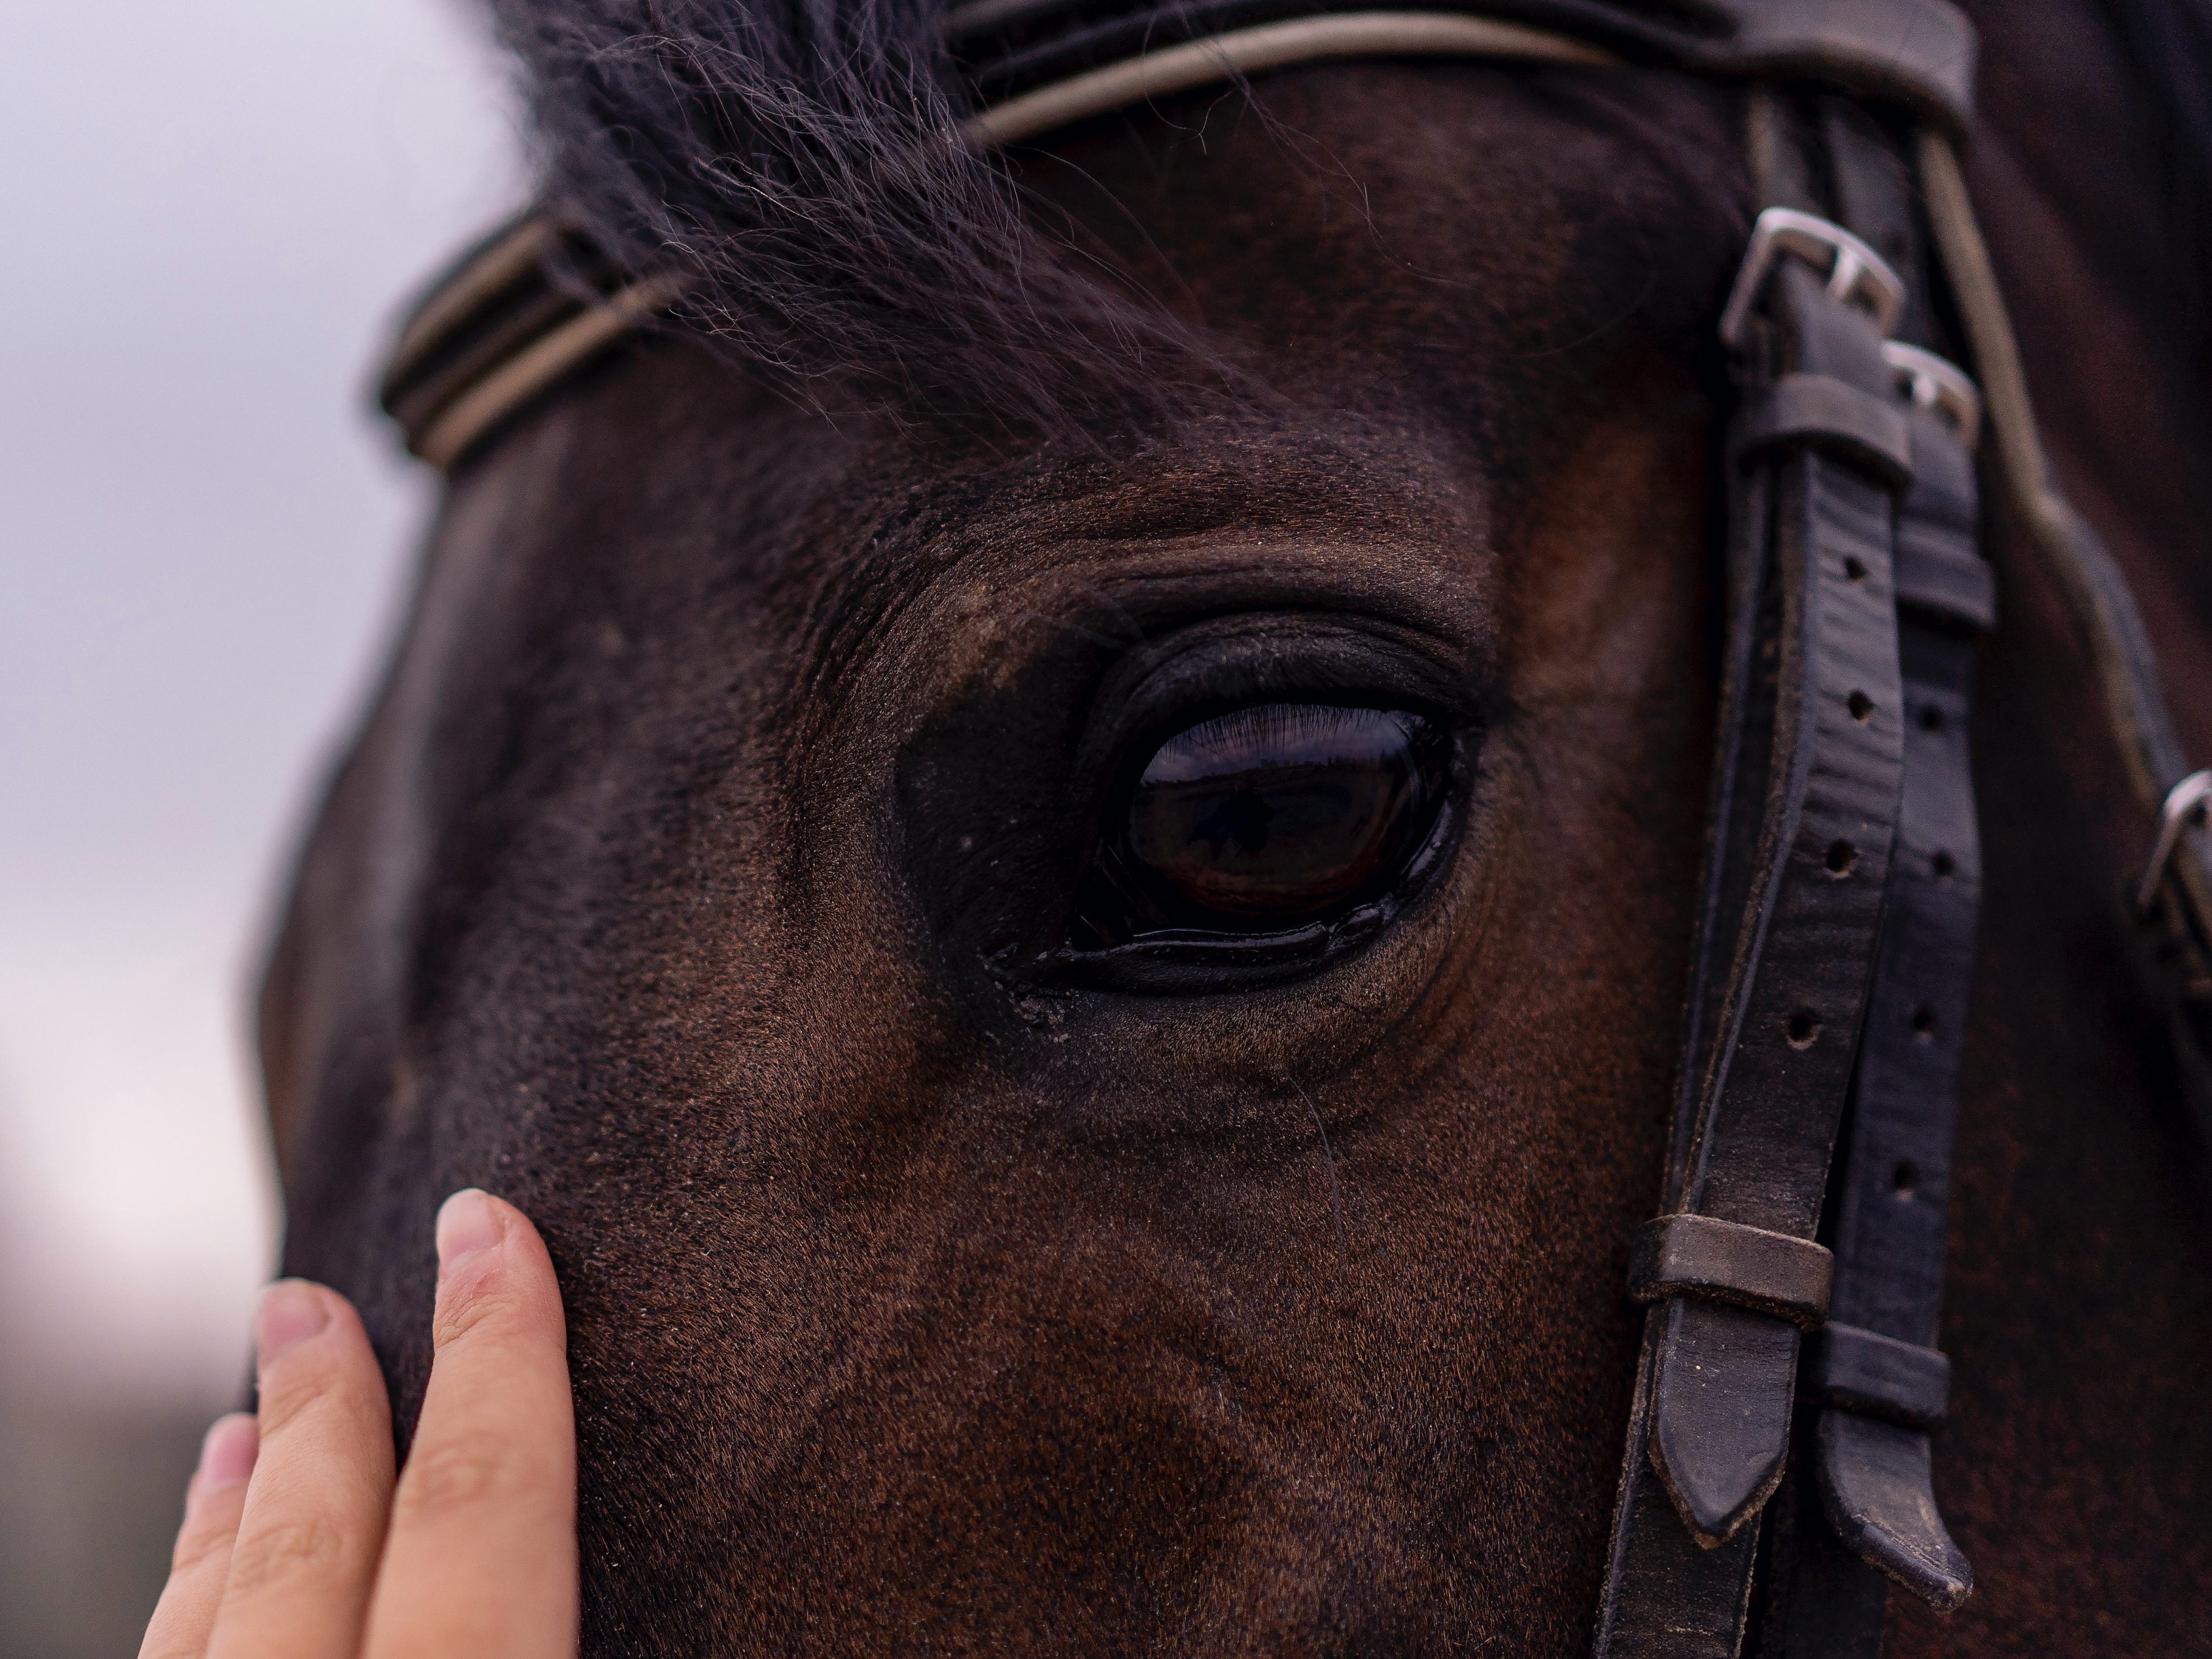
(211, 210)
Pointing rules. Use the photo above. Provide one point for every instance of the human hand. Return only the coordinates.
(296, 1544)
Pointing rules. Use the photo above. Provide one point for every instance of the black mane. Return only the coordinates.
(790, 158)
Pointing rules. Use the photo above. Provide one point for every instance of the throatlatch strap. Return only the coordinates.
(2174, 932)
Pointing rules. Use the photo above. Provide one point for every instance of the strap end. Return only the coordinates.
(1721, 1413)
(1874, 1485)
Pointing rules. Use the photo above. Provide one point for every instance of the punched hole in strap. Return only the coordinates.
(1715, 1261)
(1863, 1370)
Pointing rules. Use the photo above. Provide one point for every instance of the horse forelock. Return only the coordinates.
(795, 163)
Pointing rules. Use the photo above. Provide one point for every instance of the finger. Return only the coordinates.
(307, 1542)
(482, 1558)
(185, 1615)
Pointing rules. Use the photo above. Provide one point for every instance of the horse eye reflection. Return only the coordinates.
(1267, 818)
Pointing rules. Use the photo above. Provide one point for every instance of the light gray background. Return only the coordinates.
(208, 213)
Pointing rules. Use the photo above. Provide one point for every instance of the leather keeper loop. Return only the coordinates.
(1863, 1370)
(1943, 581)
(1716, 1260)
(1818, 411)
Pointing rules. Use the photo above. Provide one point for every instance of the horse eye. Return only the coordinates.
(1268, 819)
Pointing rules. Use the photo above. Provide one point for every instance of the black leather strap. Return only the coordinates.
(1808, 778)
(1864, 1511)
(1881, 1384)
(1917, 53)
(529, 277)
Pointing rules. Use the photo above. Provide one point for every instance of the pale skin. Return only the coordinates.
(299, 1542)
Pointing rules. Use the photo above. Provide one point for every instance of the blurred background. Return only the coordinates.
(212, 212)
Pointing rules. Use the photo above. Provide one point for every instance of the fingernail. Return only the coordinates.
(227, 1455)
(466, 1223)
(292, 1311)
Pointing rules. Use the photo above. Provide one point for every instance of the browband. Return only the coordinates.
(1906, 52)
(1789, 1382)
(500, 328)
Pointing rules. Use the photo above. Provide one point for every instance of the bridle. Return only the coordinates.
(1777, 1474)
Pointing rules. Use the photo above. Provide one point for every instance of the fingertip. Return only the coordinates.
(469, 1223)
(472, 1224)
(228, 1454)
(311, 1347)
(491, 1263)
(291, 1311)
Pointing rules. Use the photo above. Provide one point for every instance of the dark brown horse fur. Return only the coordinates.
(688, 884)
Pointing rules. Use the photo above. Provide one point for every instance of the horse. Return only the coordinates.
(730, 868)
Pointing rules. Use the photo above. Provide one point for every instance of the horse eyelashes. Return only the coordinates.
(1264, 819)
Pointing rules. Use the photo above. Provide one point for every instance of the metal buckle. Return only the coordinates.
(1939, 385)
(2184, 806)
(1856, 274)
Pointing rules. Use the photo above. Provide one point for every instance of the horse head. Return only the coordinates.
(1073, 920)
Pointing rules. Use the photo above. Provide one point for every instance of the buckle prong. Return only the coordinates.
(1938, 385)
